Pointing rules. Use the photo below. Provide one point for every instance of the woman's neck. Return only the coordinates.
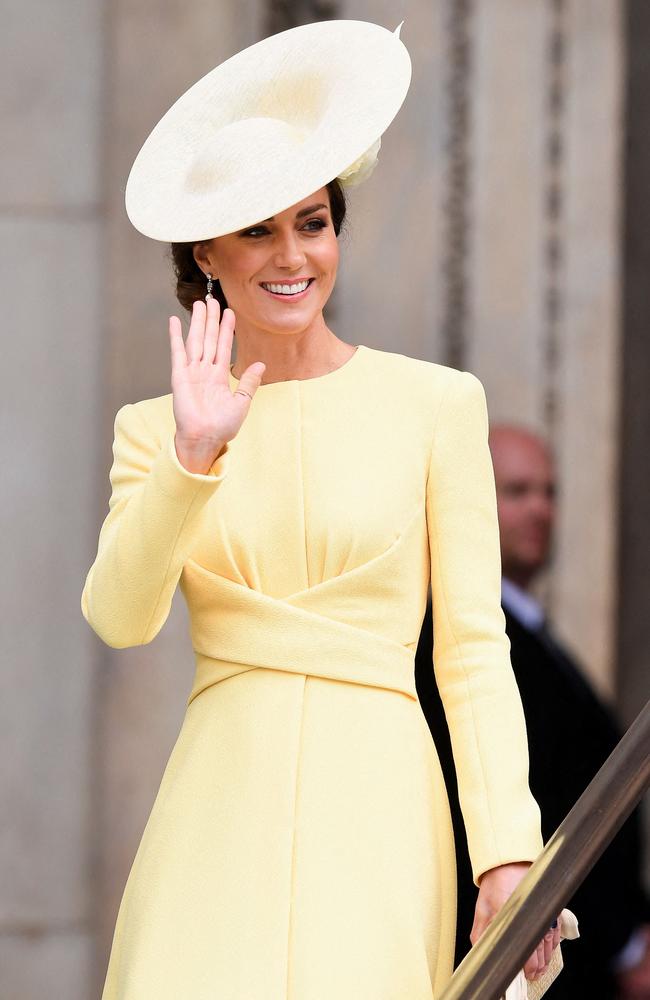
(308, 354)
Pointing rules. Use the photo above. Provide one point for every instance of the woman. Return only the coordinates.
(304, 497)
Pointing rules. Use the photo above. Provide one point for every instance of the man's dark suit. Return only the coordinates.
(570, 734)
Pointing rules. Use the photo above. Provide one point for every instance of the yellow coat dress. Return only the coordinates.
(300, 844)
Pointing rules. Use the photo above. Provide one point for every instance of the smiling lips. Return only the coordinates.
(287, 289)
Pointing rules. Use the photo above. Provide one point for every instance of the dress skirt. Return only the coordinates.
(300, 848)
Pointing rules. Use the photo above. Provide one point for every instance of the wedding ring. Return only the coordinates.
(243, 392)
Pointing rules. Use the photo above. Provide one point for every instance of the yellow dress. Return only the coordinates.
(300, 845)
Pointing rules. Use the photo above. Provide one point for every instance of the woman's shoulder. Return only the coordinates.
(153, 416)
(414, 375)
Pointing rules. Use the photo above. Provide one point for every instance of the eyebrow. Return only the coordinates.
(303, 211)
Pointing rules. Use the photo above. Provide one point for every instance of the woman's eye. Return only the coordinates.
(314, 225)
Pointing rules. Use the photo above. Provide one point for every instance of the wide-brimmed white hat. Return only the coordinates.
(265, 129)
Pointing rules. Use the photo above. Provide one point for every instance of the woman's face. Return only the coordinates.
(277, 275)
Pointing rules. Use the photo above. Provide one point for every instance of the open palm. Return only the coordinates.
(207, 412)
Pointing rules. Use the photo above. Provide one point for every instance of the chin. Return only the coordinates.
(287, 325)
(534, 562)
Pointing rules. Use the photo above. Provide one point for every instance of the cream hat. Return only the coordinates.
(266, 128)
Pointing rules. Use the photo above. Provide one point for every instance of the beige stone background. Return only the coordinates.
(504, 232)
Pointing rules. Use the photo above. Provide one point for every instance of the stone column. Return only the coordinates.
(587, 369)
(634, 564)
(51, 261)
(544, 275)
(390, 289)
(509, 84)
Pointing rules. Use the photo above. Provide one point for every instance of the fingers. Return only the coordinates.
(211, 331)
(195, 337)
(484, 913)
(538, 962)
(204, 339)
(475, 932)
(531, 966)
(250, 381)
(179, 358)
(547, 947)
(226, 334)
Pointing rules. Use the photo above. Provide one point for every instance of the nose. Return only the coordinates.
(542, 507)
(288, 254)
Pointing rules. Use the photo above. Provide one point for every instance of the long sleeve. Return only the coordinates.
(471, 652)
(155, 512)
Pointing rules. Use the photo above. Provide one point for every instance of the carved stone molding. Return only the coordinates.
(456, 204)
(553, 213)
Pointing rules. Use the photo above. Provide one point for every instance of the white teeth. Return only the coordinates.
(285, 289)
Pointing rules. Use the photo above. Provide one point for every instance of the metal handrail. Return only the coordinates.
(499, 954)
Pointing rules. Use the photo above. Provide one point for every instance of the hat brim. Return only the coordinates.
(265, 129)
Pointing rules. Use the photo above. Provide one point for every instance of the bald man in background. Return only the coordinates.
(570, 732)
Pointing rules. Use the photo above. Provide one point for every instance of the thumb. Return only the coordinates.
(483, 915)
(252, 377)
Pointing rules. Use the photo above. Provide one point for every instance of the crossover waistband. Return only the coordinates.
(235, 629)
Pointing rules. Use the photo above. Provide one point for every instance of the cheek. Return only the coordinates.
(509, 518)
(235, 271)
(234, 258)
(329, 255)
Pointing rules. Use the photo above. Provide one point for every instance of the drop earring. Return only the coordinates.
(209, 295)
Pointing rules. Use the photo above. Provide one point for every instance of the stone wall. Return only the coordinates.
(51, 263)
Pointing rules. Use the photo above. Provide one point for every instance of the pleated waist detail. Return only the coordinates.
(235, 629)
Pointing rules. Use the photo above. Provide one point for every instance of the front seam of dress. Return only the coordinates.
(302, 707)
(293, 845)
(302, 481)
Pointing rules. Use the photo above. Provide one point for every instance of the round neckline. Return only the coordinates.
(314, 378)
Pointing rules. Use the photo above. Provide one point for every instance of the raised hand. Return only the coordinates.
(207, 413)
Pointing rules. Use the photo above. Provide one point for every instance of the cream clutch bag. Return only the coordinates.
(524, 989)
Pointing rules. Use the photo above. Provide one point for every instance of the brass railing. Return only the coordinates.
(569, 856)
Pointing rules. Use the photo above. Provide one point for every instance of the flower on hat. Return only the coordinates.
(362, 168)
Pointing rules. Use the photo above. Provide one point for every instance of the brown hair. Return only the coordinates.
(190, 279)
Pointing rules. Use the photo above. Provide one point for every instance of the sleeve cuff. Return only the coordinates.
(176, 480)
(485, 865)
(217, 470)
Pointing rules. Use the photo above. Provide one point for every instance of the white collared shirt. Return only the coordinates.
(525, 608)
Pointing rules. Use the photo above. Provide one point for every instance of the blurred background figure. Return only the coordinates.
(571, 732)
